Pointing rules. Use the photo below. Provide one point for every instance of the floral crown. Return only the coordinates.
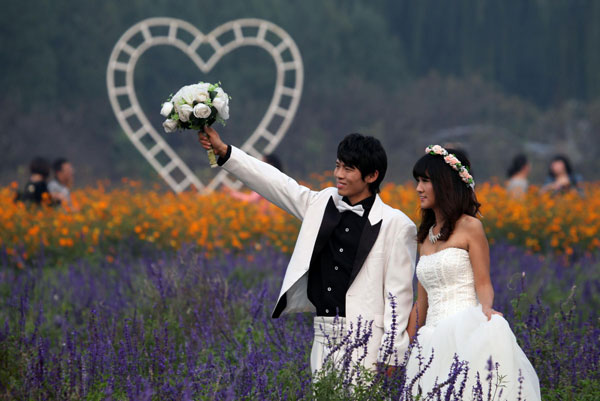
(452, 160)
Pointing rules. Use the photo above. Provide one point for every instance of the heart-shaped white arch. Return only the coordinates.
(167, 31)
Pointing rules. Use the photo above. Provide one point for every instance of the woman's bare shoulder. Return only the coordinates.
(469, 223)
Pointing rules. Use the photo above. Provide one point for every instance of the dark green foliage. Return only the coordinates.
(545, 51)
(495, 75)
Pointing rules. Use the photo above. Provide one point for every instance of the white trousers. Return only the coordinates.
(327, 330)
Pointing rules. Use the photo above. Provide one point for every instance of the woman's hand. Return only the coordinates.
(488, 311)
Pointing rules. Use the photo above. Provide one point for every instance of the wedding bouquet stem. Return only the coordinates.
(212, 158)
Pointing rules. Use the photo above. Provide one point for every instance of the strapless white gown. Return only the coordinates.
(455, 324)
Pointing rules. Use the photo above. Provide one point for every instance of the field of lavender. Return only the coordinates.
(180, 326)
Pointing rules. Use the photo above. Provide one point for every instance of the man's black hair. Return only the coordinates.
(366, 154)
(518, 163)
(274, 161)
(41, 166)
(58, 164)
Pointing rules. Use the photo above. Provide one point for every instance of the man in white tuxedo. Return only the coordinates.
(352, 251)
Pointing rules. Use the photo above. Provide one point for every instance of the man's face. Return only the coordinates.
(66, 175)
(350, 183)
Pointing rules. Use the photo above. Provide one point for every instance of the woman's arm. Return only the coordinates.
(418, 313)
(479, 254)
(250, 197)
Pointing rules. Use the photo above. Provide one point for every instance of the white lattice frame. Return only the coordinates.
(157, 144)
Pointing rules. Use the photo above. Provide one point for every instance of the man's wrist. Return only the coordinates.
(222, 159)
(222, 151)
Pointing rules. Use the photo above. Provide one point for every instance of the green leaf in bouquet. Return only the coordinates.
(220, 120)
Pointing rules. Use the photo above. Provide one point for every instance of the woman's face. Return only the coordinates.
(558, 167)
(425, 192)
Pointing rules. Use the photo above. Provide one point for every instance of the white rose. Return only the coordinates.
(201, 92)
(221, 93)
(222, 107)
(437, 149)
(221, 103)
(185, 111)
(190, 95)
(177, 106)
(203, 86)
(170, 125)
(201, 97)
(201, 110)
(176, 97)
(166, 110)
(186, 94)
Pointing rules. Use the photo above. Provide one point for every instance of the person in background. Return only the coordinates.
(36, 186)
(561, 178)
(517, 176)
(60, 186)
(254, 197)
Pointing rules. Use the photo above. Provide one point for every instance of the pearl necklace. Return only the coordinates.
(434, 238)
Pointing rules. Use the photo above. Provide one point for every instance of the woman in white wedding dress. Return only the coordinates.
(453, 313)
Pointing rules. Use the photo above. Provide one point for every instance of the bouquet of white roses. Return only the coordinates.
(194, 107)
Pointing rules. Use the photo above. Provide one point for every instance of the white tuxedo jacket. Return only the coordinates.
(385, 258)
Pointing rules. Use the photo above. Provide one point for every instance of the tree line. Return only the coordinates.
(367, 63)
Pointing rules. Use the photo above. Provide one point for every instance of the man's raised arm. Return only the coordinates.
(259, 176)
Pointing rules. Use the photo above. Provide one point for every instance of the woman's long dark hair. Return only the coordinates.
(452, 196)
(566, 162)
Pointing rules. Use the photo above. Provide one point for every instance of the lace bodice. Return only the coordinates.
(447, 276)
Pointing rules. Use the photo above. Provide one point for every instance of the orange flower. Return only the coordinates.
(538, 222)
